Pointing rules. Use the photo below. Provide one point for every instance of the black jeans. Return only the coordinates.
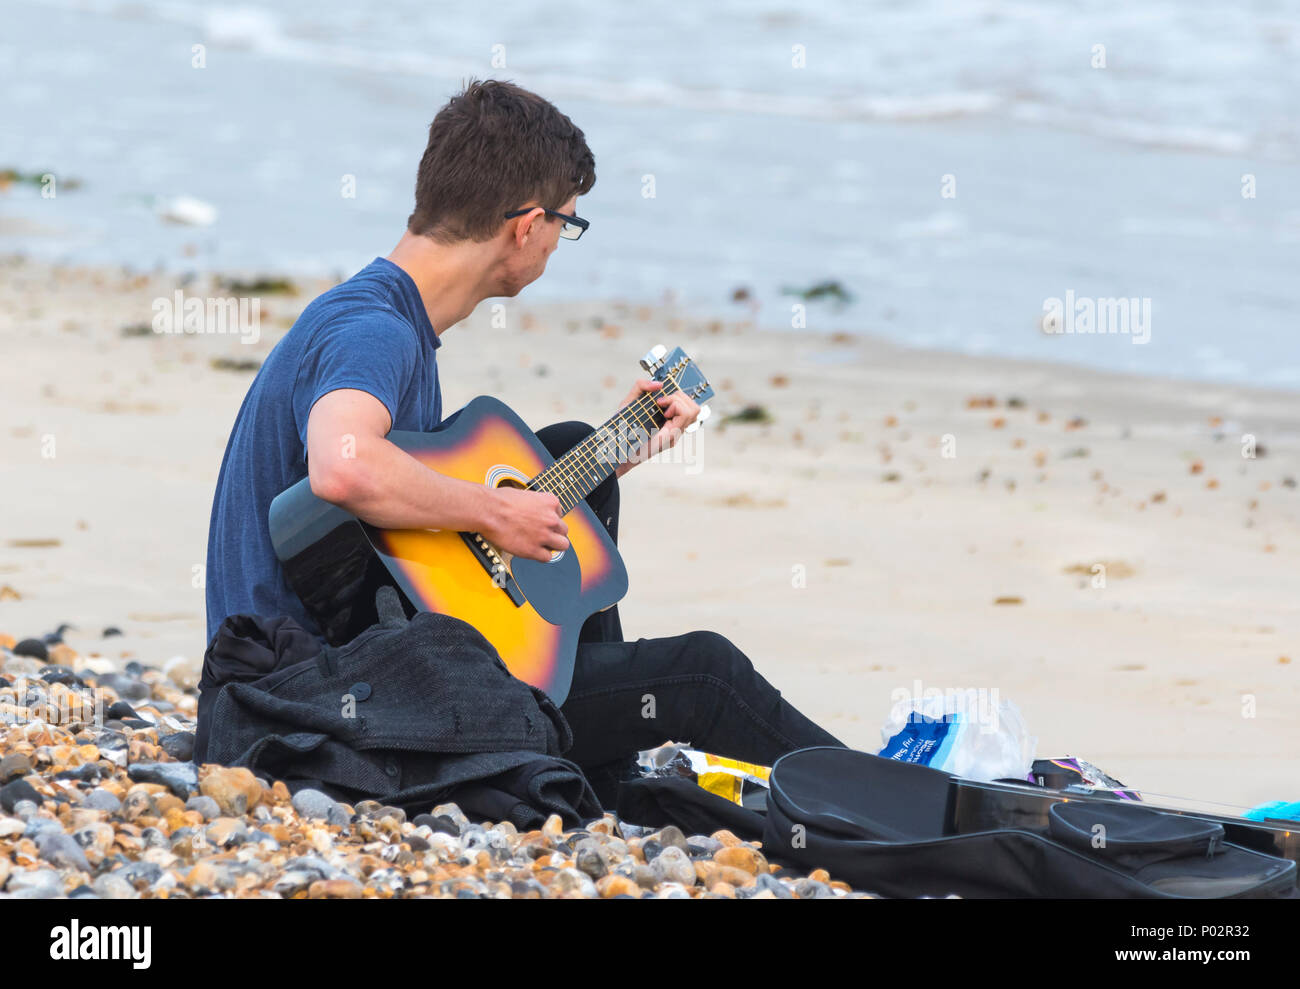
(696, 688)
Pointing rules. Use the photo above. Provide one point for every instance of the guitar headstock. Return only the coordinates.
(678, 371)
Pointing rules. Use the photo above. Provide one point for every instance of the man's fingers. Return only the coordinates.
(679, 414)
(641, 387)
(678, 404)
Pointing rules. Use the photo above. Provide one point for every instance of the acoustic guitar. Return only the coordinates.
(531, 611)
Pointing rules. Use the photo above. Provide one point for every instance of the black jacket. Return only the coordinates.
(411, 713)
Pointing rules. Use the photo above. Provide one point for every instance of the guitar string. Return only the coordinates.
(653, 419)
(564, 472)
(581, 457)
(557, 471)
(586, 450)
(579, 468)
(640, 411)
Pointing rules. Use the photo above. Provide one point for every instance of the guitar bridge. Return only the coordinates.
(490, 560)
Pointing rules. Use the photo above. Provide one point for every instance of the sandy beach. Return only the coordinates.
(857, 543)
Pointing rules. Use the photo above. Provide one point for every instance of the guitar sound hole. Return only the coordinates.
(514, 482)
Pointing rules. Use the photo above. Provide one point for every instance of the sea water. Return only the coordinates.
(954, 167)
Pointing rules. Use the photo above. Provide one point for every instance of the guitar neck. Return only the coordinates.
(576, 474)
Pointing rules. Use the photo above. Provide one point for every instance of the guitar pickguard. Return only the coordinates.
(550, 587)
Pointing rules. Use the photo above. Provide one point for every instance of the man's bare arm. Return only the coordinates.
(351, 464)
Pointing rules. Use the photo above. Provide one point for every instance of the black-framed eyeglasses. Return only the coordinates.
(573, 225)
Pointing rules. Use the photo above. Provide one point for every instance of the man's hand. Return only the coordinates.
(679, 409)
(526, 523)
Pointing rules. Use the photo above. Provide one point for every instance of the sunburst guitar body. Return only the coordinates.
(531, 611)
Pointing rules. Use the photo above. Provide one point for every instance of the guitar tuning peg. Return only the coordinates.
(705, 412)
(654, 358)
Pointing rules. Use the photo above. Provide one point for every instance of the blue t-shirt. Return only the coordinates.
(371, 333)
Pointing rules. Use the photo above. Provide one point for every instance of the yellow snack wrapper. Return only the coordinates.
(726, 777)
(717, 774)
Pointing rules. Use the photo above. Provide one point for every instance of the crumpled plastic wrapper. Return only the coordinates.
(1092, 779)
(731, 779)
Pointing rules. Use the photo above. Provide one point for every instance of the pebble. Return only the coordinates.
(811, 889)
(742, 857)
(101, 799)
(14, 766)
(112, 887)
(726, 838)
(672, 837)
(236, 790)
(292, 882)
(702, 846)
(611, 886)
(778, 889)
(339, 817)
(710, 873)
(120, 710)
(179, 777)
(335, 889)
(591, 858)
(96, 838)
(672, 891)
(205, 806)
(442, 825)
(114, 808)
(34, 883)
(139, 874)
(34, 648)
(17, 790)
(674, 865)
(126, 687)
(457, 817)
(227, 831)
(37, 826)
(179, 745)
(570, 880)
(313, 803)
(62, 851)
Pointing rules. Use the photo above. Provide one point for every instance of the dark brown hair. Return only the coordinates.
(494, 148)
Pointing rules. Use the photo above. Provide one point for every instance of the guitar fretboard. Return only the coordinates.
(575, 475)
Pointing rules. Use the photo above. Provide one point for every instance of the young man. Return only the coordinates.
(497, 188)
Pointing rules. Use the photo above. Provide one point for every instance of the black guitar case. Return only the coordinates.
(882, 826)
